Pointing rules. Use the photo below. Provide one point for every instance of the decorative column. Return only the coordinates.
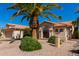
(40, 33)
(72, 29)
(21, 34)
(57, 42)
(51, 33)
(66, 34)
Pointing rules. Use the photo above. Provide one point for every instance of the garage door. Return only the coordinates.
(8, 33)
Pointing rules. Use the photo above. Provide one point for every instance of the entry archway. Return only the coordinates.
(46, 32)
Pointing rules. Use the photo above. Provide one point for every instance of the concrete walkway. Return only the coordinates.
(75, 51)
(7, 49)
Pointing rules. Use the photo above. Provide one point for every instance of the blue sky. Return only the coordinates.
(68, 14)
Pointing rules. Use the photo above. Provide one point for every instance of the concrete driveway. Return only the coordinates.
(7, 49)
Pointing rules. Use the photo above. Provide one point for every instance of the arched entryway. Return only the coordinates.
(46, 33)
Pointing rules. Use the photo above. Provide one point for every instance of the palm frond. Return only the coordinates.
(55, 16)
(77, 9)
(45, 16)
(15, 6)
(12, 17)
(54, 5)
(15, 14)
(25, 17)
(29, 10)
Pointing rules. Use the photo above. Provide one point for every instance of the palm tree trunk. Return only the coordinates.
(34, 33)
(35, 26)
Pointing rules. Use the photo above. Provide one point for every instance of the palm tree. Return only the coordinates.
(31, 12)
(76, 24)
(77, 9)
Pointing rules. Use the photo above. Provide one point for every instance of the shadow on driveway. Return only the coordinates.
(75, 51)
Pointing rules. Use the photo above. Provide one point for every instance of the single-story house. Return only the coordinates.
(64, 30)
(13, 31)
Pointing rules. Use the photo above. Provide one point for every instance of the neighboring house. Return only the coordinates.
(64, 30)
(14, 31)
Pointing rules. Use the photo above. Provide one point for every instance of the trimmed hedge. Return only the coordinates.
(29, 44)
(75, 35)
(52, 39)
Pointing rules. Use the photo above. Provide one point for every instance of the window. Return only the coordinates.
(56, 30)
(61, 30)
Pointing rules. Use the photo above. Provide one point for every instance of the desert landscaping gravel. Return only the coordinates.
(7, 49)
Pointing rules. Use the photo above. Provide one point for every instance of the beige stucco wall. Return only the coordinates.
(3, 36)
(17, 33)
(6, 35)
(51, 32)
(40, 33)
(66, 34)
(9, 34)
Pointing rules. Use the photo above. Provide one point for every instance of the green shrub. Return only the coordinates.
(52, 39)
(29, 44)
(76, 35)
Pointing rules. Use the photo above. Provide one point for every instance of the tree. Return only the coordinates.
(76, 24)
(77, 10)
(31, 12)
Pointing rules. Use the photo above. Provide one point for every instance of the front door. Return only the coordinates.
(46, 33)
